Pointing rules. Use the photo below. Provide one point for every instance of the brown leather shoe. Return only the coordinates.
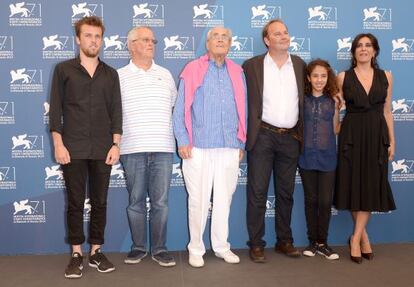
(256, 254)
(287, 248)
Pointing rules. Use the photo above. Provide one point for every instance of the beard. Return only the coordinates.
(90, 53)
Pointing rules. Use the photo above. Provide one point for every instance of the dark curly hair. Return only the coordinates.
(331, 88)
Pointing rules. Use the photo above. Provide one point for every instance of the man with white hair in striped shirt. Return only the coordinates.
(148, 95)
(210, 127)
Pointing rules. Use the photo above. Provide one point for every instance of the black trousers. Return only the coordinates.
(76, 173)
(318, 188)
(278, 153)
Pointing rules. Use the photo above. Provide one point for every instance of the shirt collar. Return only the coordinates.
(134, 68)
(268, 60)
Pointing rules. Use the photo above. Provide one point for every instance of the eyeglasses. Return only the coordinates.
(220, 37)
(146, 40)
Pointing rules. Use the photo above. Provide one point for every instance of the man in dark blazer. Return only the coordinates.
(275, 86)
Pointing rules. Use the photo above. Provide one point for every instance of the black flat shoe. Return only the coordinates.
(368, 256)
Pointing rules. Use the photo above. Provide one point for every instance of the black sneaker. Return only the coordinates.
(311, 250)
(74, 269)
(135, 256)
(100, 262)
(325, 250)
(164, 259)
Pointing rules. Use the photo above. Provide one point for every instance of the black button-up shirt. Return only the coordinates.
(85, 110)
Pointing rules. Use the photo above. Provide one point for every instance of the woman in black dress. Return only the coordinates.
(366, 142)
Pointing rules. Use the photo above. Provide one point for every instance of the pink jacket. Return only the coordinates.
(193, 75)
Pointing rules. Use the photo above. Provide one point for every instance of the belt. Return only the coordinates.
(277, 130)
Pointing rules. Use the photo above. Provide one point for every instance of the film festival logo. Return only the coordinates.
(46, 108)
(7, 177)
(85, 9)
(25, 80)
(29, 211)
(242, 179)
(54, 177)
(115, 47)
(177, 175)
(179, 47)
(344, 48)
(7, 113)
(25, 14)
(261, 14)
(58, 47)
(402, 49)
(321, 17)
(403, 110)
(146, 14)
(270, 206)
(402, 170)
(298, 179)
(377, 18)
(206, 15)
(241, 47)
(117, 177)
(300, 47)
(87, 208)
(6, 47)
(27, 146)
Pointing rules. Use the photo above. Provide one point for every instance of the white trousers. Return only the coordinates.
(207, 170)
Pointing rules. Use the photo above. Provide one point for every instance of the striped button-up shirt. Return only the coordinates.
(213, 112)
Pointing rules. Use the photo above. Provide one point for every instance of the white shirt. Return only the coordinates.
(147, 101)
(280, 94)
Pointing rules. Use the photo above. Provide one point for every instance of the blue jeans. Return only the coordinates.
(148, 173)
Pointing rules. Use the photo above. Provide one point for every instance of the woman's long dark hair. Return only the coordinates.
(375, 45)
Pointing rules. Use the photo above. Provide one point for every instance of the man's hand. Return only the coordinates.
(113, 156)
(241, 155)
(185, 151)
(62, 155)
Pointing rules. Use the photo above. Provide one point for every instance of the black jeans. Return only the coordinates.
(278, 153)
(318, 188)
(76, 173)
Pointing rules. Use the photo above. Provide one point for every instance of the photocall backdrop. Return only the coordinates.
(35, 35)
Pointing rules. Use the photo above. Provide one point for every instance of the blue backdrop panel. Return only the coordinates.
(35, 35)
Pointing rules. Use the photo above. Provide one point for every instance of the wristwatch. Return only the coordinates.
(115, 144)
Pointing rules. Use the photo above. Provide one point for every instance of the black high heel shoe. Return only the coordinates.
(368, 256)
(356, 259)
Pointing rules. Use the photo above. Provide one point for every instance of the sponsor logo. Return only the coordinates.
(27, 146)
(7, 113)
(58, 47)
(7, 177)
(206, 15)
(6, 47)
(115, 47)
(402, 170)
(179, 47)
(403, 110)
(242, 179)
(270, 206)
(402, 49)
(322, 17)
(25, 14)
(146, 14)
(117, 177)
(25, 80)
(261, 14)
(300, 47)
(298, 179)
(29, 211)
(377, 18)
(241, 47)
(54, 177)
(344, 48)
(177, 175)
(85, 10)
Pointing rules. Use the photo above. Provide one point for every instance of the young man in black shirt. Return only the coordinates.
(86, 126)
